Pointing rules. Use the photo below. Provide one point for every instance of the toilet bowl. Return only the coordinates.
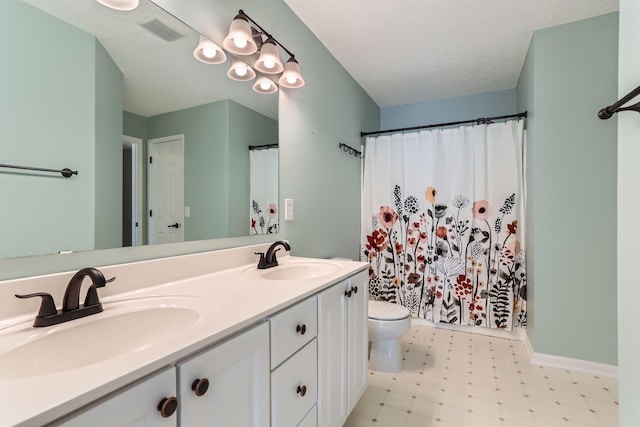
(386, 324)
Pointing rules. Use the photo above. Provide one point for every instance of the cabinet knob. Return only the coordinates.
(302, 390)
(168, 406)
(200, 386)
(347, 293)
(354, 289)
(301, 329)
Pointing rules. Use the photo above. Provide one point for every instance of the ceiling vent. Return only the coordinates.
(160, 29)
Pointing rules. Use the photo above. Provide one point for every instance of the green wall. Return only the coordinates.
(570, 73)
(470, 107)
(628, 208)
(50, 118)
(108, 151)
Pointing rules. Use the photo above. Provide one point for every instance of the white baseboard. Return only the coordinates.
(541, 359)
(553, 361)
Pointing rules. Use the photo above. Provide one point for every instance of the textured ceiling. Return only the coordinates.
(408, 51)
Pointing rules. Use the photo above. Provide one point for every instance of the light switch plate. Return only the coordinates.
(288, 209)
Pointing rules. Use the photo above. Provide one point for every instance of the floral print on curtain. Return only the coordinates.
(448, 262)
(455, 260)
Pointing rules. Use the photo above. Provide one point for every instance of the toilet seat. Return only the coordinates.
(381, 310)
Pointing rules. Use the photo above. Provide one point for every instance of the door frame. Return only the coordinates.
(150, 142)
(137, 193)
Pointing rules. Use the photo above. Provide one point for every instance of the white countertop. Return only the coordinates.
(238, 297)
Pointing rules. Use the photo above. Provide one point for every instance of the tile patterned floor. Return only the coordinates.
(458, 379)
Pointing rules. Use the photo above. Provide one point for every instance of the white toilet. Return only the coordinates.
(386, 324)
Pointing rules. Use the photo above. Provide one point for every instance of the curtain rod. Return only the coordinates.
(480, 121)
(262, 147)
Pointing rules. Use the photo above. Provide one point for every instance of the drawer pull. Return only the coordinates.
(347, 294)
(301, 329)
(200, 386)
(168, 406)
(302, 390)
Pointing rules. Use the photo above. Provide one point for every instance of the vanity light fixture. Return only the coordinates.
(120, 4)
(240, 40)
(269, 60)
(209, 52)
(240, 71)
(265, 85)
(291, 77)
(245, 38)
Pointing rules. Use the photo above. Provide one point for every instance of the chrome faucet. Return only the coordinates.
(269, 260)
(49, 315)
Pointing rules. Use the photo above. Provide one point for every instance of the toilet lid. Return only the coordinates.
(380, 310)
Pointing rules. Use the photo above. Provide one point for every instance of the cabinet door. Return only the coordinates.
(137, 406)
(332, 356)
(358, 341)
(237, 372)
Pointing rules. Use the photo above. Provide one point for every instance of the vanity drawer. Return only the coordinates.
(294, 387)
(292, 329)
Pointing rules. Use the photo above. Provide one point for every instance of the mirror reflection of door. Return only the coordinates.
(165, 180)
(132, 191)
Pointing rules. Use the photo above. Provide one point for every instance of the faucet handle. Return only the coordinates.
(262, 263)
(47, 307)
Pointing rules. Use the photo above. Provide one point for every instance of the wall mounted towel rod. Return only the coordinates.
(350, 150)
(616, 107)
(66, 172)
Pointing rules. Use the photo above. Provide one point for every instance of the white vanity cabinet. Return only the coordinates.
(227, 385)
(140, 405)
(294, 376)
(342, 349)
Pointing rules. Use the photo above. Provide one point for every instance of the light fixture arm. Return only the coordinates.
(241, 14)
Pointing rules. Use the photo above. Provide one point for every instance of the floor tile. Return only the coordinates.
(459, 379)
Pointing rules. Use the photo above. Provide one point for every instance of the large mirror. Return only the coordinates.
(166, 148)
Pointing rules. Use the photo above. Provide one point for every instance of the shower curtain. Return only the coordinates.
(443, 223)
(263, 195)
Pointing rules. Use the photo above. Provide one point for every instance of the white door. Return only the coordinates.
(137, 406)
(358, 339)
(332, 356)
(165, 172)
(227, 385)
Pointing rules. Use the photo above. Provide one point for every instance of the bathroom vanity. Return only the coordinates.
(203, 339)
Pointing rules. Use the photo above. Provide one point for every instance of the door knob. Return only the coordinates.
(176, 225)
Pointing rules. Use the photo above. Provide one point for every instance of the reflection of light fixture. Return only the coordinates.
(265, 85)
(291, 77)
(120, 4)
(269, 60)
(240, 41)
(240, 71)
(209, 52)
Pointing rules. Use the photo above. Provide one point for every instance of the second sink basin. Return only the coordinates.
(300, 270)
(123, 328)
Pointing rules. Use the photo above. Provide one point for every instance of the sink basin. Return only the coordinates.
(123, 328)
(300, 270)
